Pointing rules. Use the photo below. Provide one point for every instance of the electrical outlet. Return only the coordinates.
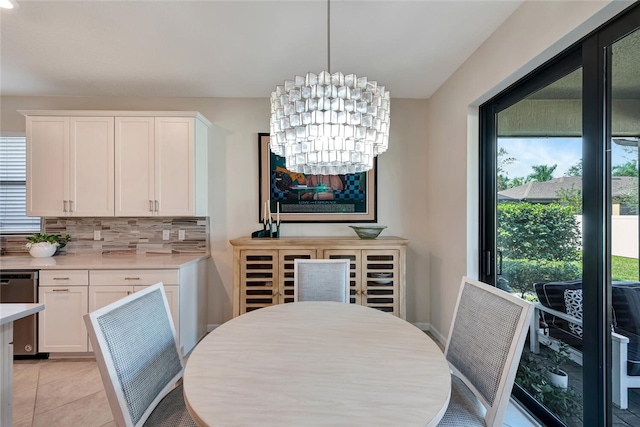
(166, 234)
(181, 235)
(96, 235)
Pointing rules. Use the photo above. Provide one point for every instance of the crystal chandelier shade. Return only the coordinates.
(329, 123)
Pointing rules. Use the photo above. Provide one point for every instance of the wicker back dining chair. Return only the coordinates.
(483, 350)
(321, 280)
(134, 341)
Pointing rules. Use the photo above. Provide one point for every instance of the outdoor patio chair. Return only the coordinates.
(321, 280)
(139, 360)
(483, 350)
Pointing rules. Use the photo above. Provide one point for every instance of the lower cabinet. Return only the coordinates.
(107, 286)
(65, 296)
(263, 270)
(70, 294)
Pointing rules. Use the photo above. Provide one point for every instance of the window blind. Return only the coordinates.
(13, 187)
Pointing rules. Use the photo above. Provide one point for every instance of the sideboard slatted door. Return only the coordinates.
(285, 278)
(381, 277)
(354, 257)
(258, 279)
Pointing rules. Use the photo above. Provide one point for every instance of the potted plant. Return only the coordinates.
(45, 245)
(533, 377)
(555, 360)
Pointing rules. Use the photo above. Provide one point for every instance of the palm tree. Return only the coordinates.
(542, 173)
(627, 169)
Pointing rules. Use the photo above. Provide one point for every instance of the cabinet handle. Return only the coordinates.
(60, 278)
(150, 205)
(157, 206)
(64, 206)
(131, 278)
(60, 290)
(128, 292)
(70, 205)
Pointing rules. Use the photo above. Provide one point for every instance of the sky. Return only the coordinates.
(565, 152)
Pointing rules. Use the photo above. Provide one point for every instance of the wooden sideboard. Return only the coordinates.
(263, 270)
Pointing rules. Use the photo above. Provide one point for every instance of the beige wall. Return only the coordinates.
(533, 34)
(233, 190)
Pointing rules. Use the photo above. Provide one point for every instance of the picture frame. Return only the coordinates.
(314, 198)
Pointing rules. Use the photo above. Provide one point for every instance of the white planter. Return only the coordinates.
(42, 250)
(561, 381)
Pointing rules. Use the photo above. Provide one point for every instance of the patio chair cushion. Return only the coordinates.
(625, 315)
(573, 302)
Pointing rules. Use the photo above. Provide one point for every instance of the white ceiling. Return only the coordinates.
(235, 48)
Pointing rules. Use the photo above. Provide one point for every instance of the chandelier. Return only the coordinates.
(329, 123)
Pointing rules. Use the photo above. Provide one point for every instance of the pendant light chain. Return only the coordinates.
(329, 36)
(329, 124)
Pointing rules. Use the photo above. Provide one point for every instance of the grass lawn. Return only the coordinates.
(624, 268)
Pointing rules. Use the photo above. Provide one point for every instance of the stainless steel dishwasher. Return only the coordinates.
(21, 287)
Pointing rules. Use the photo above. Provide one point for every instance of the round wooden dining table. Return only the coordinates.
(317, 364)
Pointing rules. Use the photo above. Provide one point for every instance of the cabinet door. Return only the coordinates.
(354, 256)
(91, 176)
(47, 165)
(381, 279)
(174, 164)
(258, 279)
(101, 296)
(61, 326)
(285, 271)
(134, 166)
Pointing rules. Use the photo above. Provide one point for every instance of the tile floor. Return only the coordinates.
(69, 393)
(59, 393)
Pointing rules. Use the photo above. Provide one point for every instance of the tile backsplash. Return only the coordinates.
(122, 235)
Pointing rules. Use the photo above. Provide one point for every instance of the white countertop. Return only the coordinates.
(12, 312)
(98, 261)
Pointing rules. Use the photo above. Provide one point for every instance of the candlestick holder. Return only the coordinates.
(267, 231)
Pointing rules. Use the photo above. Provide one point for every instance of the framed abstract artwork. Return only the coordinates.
(314, 198)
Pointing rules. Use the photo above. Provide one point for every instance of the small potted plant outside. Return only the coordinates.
(556, 359)
(45, 245)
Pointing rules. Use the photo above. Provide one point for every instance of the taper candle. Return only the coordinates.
(278, 214)
(264, 213)
(269, 210)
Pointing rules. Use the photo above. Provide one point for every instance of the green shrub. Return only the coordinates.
(523, 273)
(536, 231)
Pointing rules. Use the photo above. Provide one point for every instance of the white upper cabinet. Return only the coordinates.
(135, 166)
(91, 167)
(174, 161)
(47, 166)
(70, 166)
(122, 163)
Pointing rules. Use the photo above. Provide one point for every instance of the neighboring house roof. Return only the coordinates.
(547, 191)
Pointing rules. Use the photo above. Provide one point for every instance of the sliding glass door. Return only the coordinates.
(536, 210)
(623, 102)
(559, 214)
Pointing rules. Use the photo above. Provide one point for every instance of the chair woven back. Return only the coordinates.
(485, 343)
(136, 350)
(321, 280)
